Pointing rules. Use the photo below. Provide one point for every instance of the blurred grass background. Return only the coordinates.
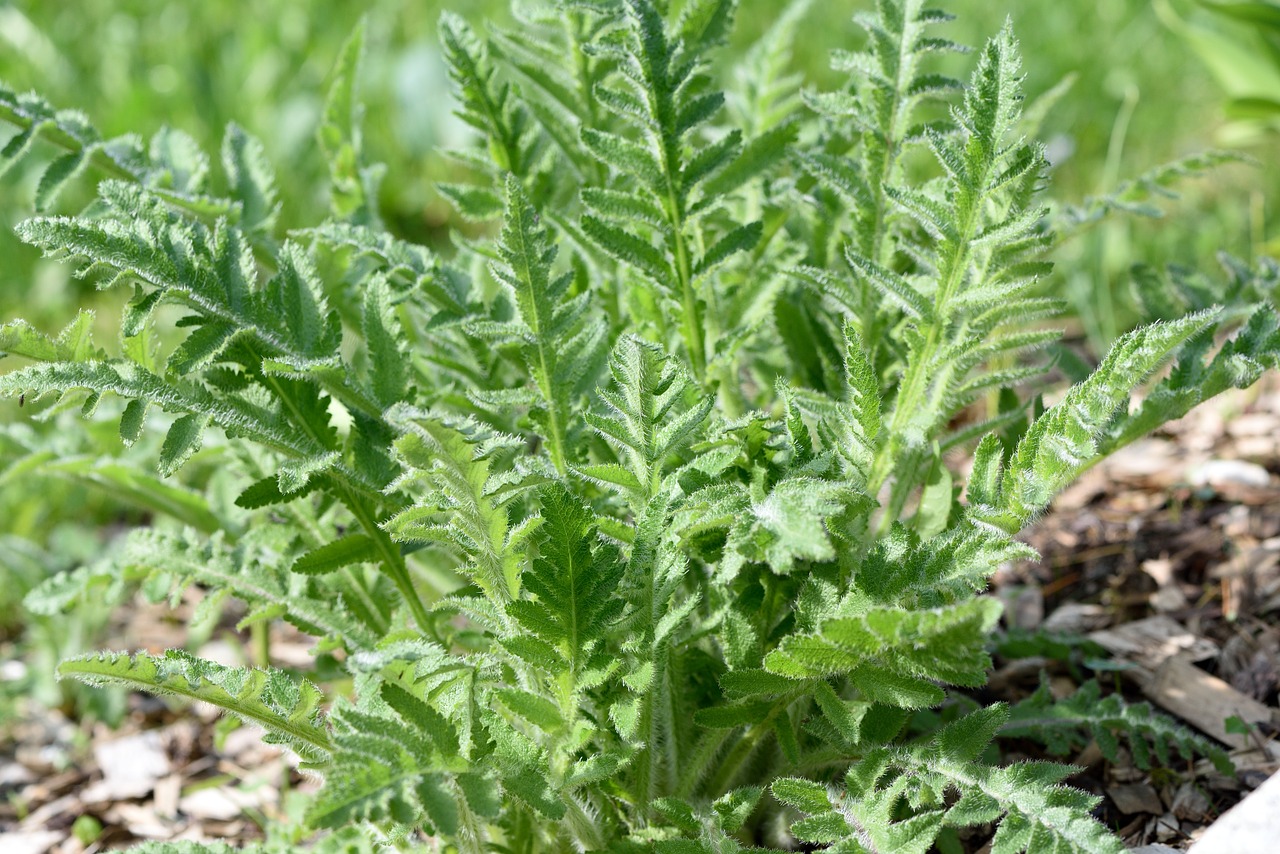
(1140, 98)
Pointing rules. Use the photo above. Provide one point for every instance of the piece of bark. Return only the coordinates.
(1166, 827)
(1150, 642)
(1250, 826)
(140, 820)
(1164, 653)
(1206, 702)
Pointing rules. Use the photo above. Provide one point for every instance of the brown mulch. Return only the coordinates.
(165, 773)
(1184, 526)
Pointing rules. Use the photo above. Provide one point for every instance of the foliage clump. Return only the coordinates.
(635, 525)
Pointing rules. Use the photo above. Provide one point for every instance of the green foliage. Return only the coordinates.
(1033, 810)
(645, 506)
(1060, 724)
(287, 710)
(1237, 42)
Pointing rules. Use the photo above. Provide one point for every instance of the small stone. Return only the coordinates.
(1134, 798)
(131, 766)
(1219, 473)
(29, 842)
(223, 804)
(1169, 599)
(1167, 828)
(12, 775)
(1191, 804)
(1253, 424)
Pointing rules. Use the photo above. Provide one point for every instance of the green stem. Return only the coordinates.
(53, 134)
(742, 751)
(691, 321)
(103, 162)
(391, 557)
(921, 368)
(392, 560)
(732, 400)
(546, 366)
(694, 770)
(691, 324)
(260, 636)
(651, 764)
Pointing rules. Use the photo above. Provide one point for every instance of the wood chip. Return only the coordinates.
(1076, 618)
(1024, 606)
(1135, 798)
(1166, 827)
(38, 819)
(1165, 654)
(140, 820)
(1253, 424)
(214, 804)
(1150, 642)
(1150, 463)
(1161, 571)
(167, 793)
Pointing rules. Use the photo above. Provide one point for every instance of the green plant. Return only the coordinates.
(633, 526)
(1239, 42)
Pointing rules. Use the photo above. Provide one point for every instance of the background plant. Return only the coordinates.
(631, 519)
(1240, 44)
(1134, 102)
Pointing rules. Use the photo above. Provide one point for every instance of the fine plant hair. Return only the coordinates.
(633, 523)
